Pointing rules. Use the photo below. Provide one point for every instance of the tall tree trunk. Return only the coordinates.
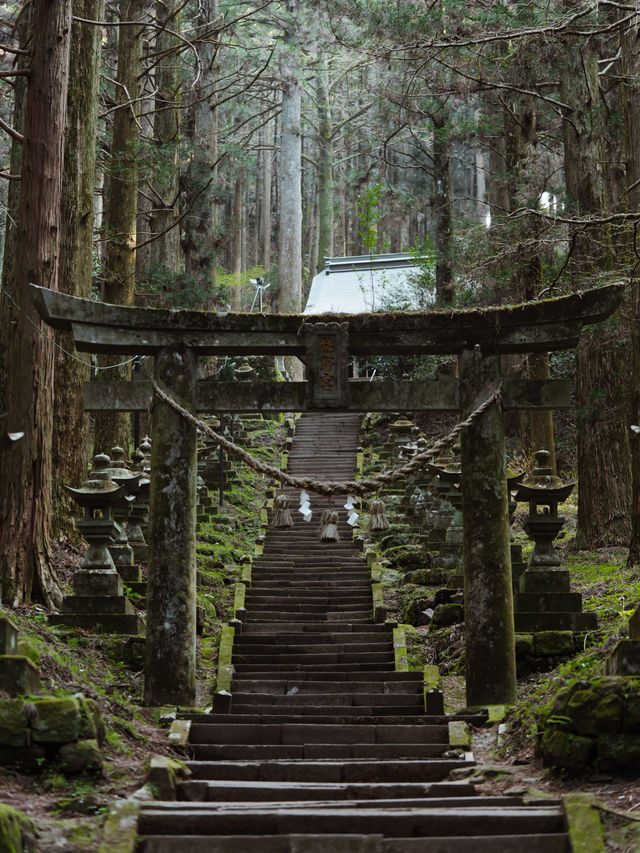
(265, 196)
(238, 227)
(604, 464)
(630, 43)
(113, 428)
(26, 486)
(443, 207)
(325, 170)
(165, 250)
(199, 239)
(71, 435)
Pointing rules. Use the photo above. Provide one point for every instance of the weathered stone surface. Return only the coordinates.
(425, 577)
(17, 831)
(57, 720)
(8, 636)
(164, 774)
(565, 749)
(447, 614)
(18, 675)
(545, 580)
(586, 833)
(489, 626)
(82, 756)
(625, 658)
(554, 643)
(618, 751)
(13, 723)
(525, 646)
(171, 594)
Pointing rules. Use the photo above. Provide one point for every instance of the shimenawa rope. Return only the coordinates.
(332, 487)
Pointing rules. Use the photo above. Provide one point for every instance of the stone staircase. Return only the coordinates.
(328, 749)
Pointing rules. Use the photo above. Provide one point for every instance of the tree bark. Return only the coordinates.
(118, 286)
(443, 208)
(76, 255)
(199, 238)
(26, 486)
(604, 464)
(265, 197)
(325, 170)
(165, 249)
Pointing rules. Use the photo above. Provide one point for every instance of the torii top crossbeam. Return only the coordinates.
(542, 326)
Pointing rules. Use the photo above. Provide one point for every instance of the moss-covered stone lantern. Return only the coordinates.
(543, 491)
(120, 549)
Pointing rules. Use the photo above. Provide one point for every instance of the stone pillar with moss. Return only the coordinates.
(488, 594)
(171, 598)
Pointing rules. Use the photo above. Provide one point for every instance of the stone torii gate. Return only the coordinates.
(326, 343)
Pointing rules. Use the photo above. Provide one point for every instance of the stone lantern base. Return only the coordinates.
(545, 603)
(18, 674)
(99, 605)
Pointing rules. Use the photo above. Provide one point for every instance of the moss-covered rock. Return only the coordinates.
(567, 750)
(550, 643)
(17, 832)
(447, 614)
(616, 752)
(525, 646)
(425, 577)
(82, 756)
(13, 723)
(414, 612)
(57, 720)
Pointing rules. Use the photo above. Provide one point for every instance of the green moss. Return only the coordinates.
(566, 750)
(17, 832)
(583, 823)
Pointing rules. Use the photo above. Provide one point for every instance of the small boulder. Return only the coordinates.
(83, 756)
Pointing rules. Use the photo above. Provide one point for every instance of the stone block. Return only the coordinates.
(615, 752)
(130, 573)
(8, 636)
(525, 646)
(83, 756)
(625, 658)
(18, 675)
(548, 602)
(526, 623)
(164, 775)
(26, 759)
(447, 614)
(13, 723)
(567, 750)
(17, 831)
(90, 582)
(97, 604)
(101, 622)
(545, 580)
(57, 720)
(554, 643)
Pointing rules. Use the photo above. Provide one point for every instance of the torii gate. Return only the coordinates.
(325, 343)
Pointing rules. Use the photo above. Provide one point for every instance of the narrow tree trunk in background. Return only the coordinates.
(76, 255)
(199, 238)
(26, 485)
(238, 225)
(165, 250)
(541, 421)
(630, 42)
(113, 428)
(325, 170)
(265, 196)
(443, 208)
(604, 463)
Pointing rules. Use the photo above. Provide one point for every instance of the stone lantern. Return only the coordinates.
(245, 372)
(543, 491)
(545, 601)
(98, 601)
(139, 515)
(120, 549)
(451, 550)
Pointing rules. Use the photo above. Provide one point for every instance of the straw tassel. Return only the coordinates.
(282, 514)
(377, 518)
(329, 526)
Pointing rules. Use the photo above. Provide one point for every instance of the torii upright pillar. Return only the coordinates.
(170, 649)
(488, 596)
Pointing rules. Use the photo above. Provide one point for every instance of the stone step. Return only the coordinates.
(396, 822)
(248, 646)
(531, 622)
(281, 687)
(334, 718)
(313, 733)
(328, 658)
(260, 596)
(312, 667)
(326, 707)
(355, 699)
(317, 630)
(276, 752)
(329, 616)
(351, 843)
(275, 641)
(308, 604)
(271, 791)
(326, 770)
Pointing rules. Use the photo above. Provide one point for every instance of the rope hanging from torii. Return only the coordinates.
(331, 487)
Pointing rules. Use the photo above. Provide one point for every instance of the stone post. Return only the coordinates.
(170, 663)
(488, 594)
